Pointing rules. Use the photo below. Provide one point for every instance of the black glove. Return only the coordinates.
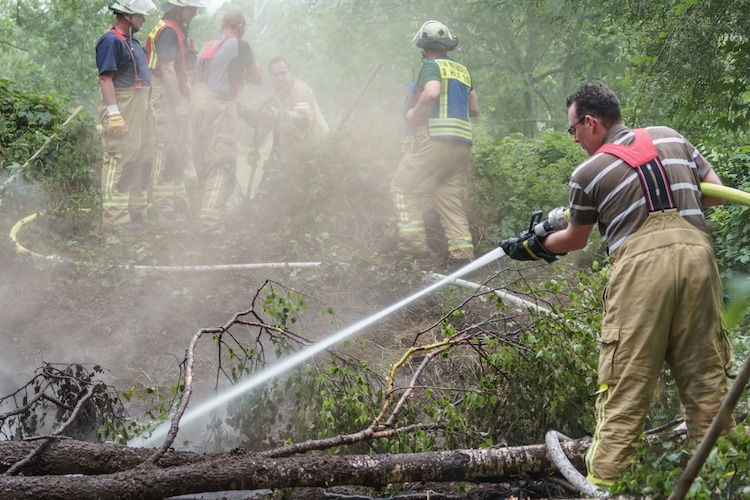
(527, 247)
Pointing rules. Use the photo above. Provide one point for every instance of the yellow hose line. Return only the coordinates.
(14, 237)
(707, 188)
(725, 193)
(22, 249)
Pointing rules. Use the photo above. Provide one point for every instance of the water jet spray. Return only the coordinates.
(291, 361)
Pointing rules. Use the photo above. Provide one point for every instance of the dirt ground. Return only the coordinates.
(137, 324)
(138, 329)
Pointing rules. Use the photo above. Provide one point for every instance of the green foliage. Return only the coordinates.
(61, 175)
(659, 466)
(340, 395)
(731, 223)
(335, 395)
(540, 52)
(26, 119)
(688, 64)
(513, 176)
(49, 46)
(547, 382)
(681, 63)
(529, 379)
(158, 406)
(257, 414)
(524, 58)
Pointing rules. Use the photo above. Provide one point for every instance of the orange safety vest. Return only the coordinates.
(187, 52)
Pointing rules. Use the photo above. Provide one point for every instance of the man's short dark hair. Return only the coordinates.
(596, 100)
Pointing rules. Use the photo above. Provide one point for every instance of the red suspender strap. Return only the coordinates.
(642, 156)
(209, 51)
(640, 152)
(138, 84)
(119, 35)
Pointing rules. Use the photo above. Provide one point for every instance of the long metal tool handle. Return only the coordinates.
(359, 95)
(49, 139)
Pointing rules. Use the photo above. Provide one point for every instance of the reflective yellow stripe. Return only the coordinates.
(600, 418)
(449, 127)
(411, 227)
(153, 56)
(460, 243)
(526, 246)
(599, 482)
(214, 192)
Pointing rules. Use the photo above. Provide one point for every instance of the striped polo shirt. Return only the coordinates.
(607, 190)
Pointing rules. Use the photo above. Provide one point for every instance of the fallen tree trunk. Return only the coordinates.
(199, 473)
(69, 456)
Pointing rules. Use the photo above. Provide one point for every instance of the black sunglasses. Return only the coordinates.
(572, 128)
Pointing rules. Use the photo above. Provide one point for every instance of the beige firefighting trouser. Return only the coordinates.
(213, 121)
(663, 303)
(171, 136)
(436, 169)
(123, 195)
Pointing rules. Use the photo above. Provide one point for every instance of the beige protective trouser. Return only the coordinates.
(663, 303)
(436, 169)
(213, 121)
(123, 196)
(171, 138)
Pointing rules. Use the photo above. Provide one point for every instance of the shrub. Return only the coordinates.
(514, 176)
(53, 166)
(731, 223)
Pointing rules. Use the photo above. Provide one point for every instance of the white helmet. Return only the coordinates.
(435, 35)
(142, 7)
(183, 3)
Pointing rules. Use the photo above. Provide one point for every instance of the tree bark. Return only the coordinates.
(111, 471)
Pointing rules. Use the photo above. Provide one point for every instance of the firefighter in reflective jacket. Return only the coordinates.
(171, 57)
(436, 165)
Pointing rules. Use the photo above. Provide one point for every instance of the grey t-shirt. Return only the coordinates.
(223, 65)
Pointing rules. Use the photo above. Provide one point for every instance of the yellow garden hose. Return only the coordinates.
(22, 249)
(725, 193)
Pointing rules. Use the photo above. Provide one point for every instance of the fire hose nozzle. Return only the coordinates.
(557, 220)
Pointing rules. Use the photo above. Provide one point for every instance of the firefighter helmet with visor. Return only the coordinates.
(436, 36)
(142, 7)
